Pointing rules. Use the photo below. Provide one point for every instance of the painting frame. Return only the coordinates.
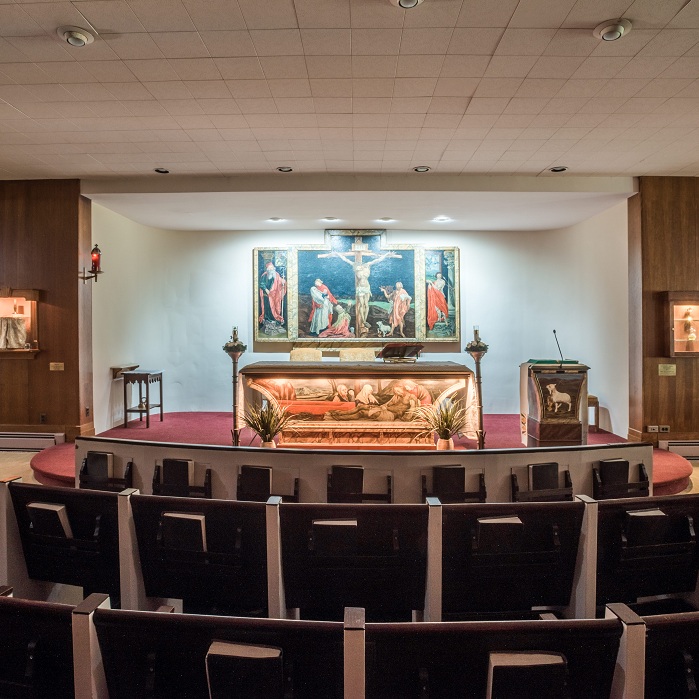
(355, 289)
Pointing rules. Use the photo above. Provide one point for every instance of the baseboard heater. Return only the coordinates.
(689, 448)
(29, 441)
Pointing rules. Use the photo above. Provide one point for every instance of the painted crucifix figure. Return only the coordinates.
(362, 271)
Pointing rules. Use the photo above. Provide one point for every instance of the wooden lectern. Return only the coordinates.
(553, 403)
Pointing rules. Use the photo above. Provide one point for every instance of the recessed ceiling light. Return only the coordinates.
(405, 4)
(329, 218)
(442, 219)
(386, 219)
(612, 29)
(276, 219)
(285, 168)
(162, 171)
(558, 168)
(421, 168)
(75, 36)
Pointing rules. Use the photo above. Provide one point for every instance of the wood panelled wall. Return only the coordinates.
(44, 241)
(663, 256)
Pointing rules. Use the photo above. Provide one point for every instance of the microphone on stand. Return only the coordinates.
(559, 347)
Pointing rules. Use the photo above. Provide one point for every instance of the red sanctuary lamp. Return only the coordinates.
(95, 265)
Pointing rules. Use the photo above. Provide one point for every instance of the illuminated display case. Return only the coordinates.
(683, 323)
(360, 404)
(19, 328)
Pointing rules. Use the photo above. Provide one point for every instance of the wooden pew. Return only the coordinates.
(229, 577)
(46, 652)
(375, 557)
(450, 659)
(90, 558)
(525, 566)
(156, 655)
(648, 555)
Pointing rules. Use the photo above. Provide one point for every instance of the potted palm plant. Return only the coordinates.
(267, 421)
(445, 419)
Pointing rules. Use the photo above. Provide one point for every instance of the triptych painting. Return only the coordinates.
(356, 289)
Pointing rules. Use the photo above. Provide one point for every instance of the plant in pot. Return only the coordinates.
(445, 419)
(267, 421)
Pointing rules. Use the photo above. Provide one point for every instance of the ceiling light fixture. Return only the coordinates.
(442, 219)
(276, 219)
(421, 168)
(387, 219)
(405, 4)
(612, 29)
(75, 36)
(558, 168)
(162, 171)
(329, 218)
(285, 168)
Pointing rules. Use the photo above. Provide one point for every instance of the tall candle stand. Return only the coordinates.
(234, 348)
(477, 349)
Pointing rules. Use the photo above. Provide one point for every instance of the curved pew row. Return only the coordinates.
(406, 469)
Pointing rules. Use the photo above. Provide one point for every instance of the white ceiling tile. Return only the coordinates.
(162, 16)
(648, 13)
(510, 66)
(65, 72)
(526, 106)
(133, 46)
(427, 41)
(474, 42)
(49, 93)
(415, 87)
(476, 13)
(435, 14)
(229, 121)
(572, 42)
(182, 107)
(145, 108)
(370, 14)
(668, 88)
(195, 69)
(441, 120)
(278, 67)
(219, 106)
(211, 89)
(242, 68)
(556, 66)
(268, 14)
(326, 42)
(589, 13)
(228, 43)
(498, 87)
(539, 87)
(456, 87)
(631, 45)
(376, 87)
(582, 88)
(40, 48)
(278, 42)
(257, 106)
(333, 105)
(14, 21)
(129, 91)
(295, 105)
(541, 13)
(318, 14)
(491, 105)
(410, 105)
(248, 89)
(600, 67)
(602, 105)
(524, 42)
(287, 87)
(329, 66)
(366, 42)
(215, 14)
(109, 71)
(110, 16)
(326, 87)
(671, 42)
(180, 44)
(371, 105)
(152, 70)
(568, 105)
(448, 106)
(418, 66)
(168, 90)
(685, 67)
(375, 66)
(620, 88)
(464, 66)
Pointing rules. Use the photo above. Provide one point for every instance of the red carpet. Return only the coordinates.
(56, 465)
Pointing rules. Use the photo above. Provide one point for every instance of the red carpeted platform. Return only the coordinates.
(56, 465)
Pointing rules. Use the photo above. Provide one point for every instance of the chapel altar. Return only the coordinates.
(359, 405)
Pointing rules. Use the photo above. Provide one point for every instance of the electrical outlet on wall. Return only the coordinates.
(652, 428)
(664, 428)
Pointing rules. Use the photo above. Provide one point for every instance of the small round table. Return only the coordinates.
(143, 377)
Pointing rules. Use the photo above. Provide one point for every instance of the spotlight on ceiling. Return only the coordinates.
(285, 168)
(405, 4)
(161, 170)
(75, 36)
(558, 168)
(421, 168)
(612, 29)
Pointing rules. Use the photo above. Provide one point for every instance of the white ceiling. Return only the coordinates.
(483, 211)
(233, 87)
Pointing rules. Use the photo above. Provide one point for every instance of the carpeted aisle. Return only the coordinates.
(56, 465)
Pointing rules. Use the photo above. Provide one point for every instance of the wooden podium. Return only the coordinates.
(553, 403)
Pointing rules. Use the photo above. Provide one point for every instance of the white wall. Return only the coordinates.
(169, 299)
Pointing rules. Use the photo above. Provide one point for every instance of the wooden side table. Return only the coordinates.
(144, 378)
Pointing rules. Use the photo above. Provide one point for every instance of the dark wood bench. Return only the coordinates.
(229, 577)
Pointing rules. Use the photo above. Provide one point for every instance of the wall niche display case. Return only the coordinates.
(19, 331)
(683, 323)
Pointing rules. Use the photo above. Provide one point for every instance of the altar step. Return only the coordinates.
(30, 441)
